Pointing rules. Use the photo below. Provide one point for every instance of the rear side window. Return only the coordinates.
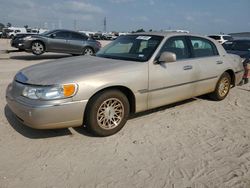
(76, 36)
(203, 47)
(177, 45)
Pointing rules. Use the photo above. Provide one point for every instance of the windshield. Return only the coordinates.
(131, 47)
(47, 33)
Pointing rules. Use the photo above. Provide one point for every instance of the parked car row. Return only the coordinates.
(134, 73)
(221, 38)
(11, 32)
(59, 41)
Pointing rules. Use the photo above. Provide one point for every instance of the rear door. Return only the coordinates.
(171, 82)
(211, 64)
(77, 42)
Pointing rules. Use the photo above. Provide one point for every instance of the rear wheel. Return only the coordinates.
(88, 51)
(222, 88)
(37, 48)
(107, 112)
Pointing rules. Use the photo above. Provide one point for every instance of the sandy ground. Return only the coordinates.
(197, 143)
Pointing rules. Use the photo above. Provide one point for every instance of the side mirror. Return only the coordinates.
(167, 57)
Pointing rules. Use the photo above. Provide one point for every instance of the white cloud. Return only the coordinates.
(151, 2)
(121, 1)
(189, 18)
(140, 19)
(77, 6)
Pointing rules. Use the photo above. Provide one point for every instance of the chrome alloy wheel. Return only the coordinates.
(224, 87)
(37, 48)
(110, 113)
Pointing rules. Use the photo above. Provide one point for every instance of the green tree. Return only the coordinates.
(9, 24)
(140, 30)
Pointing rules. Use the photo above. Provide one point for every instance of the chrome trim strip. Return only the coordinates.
(177, 85)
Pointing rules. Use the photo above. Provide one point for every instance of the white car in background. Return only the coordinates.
(13, 31)
(221, 38)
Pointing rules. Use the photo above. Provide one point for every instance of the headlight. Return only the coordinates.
(50, 92)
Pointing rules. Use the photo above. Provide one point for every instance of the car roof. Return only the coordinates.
(220, 35)
(65, 30)
(169, 34)
(165, 34)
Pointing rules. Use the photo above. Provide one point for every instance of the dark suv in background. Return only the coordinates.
(240, 47)
(59, 41)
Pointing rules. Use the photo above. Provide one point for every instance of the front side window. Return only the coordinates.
(203, 47)
(177, 45)
(131, 47)
(61, 35)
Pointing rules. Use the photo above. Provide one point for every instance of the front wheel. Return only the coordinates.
(37, 48)
(107, 112)
(88, 51)
(222, 88)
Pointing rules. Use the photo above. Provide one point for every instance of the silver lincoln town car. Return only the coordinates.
(134, 73)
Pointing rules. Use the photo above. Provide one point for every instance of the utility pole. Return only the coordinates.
(105, 24)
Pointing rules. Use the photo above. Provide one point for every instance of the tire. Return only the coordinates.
(37, 48)
(222, 88)
(101, 118)
(88, 51)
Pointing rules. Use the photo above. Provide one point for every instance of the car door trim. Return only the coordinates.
(177, 85)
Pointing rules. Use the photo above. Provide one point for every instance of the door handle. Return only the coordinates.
(219, 62)
(187, 67)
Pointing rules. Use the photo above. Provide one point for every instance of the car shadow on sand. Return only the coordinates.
(31, 57)
(39, 134)
(162, 108)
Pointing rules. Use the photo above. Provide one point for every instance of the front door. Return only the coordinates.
(59, 42)
(171, 82)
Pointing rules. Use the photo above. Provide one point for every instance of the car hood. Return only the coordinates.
(71, 69)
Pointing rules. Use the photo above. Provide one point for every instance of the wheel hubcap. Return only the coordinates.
(224, 87)
(88, 51)
(110, 113)
(37, 48)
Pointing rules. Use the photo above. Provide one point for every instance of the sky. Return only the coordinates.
(196, 16)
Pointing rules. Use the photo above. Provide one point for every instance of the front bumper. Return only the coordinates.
(47, 116)
(21, 44)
